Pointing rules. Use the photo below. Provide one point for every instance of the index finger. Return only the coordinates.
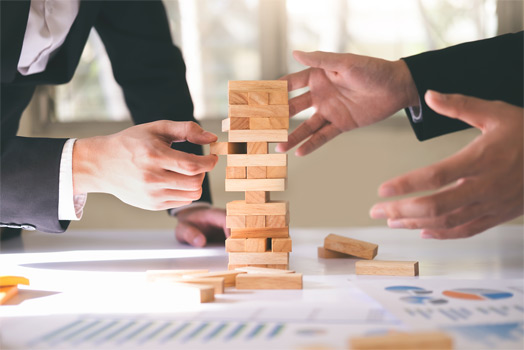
(186, 163)
(181, 131)
(297, 80)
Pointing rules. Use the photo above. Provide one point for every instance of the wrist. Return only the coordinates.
(406, 85)
(86, 172)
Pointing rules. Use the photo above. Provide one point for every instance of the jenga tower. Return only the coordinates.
(258, 115)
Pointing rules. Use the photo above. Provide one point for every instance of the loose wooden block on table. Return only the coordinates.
(262, 270)
(256, 172)
(216, 282)
(260, 85)
(236, 244)
(269, 281)
(277, 220)
(331, 254)
(7, 292)
(278, 98)
(355, 247)
(388, 268)
(236, 172)
(255, 185)
(253, 221)
(281, 245)
(158, 275)
(224, 148)
(256, 245)
(238, 98)
(193, 292)
(236, 221)
(268, 123)
(276, 172)
(257, 148)
(257, 197)
(229, 276)
(240, 207)
(258, 258)
(257, 98)
(245, 160)
(275, 135)
(256, 232)
(397, 340)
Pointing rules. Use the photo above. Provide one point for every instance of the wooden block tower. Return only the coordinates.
(258, 115)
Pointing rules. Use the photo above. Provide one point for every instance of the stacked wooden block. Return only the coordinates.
(258, 115)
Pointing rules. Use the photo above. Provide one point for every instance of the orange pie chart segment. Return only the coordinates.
(461, 295)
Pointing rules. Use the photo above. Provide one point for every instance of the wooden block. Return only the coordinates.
(261, 85)
(258, 258)
(269, 111)
(223, 148)
(238, 98)
(341, 244)
(258, 135)
(13, 281)
(240, 207)
(235, 221)
(236, 244)
(276, 172)
(270, 281)
(397, 340)
(257, 148)
(330, 254)
(162, 275)
(255, 185)
(236, 172)
(225, 124)
(216, 282)
(7, 292)
(190, 292)
(255, 221)
(256, 172)
(256, 98)
(281, 245)
(278, 98)
(268, 123)
(388, 268)
(262, 270)
(229, 276)
(256, 245)
(278, 266)
(277, 220)
(257, 197)
(273, 232)
(237, 124)
(245, 160)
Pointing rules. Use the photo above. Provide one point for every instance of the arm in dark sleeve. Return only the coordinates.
(490, 69)
(147, 65)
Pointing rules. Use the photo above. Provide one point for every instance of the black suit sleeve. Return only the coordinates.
(490, 69)
(147, 65)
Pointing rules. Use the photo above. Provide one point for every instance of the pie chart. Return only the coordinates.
(477, 294)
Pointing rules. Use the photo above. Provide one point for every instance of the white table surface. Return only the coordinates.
(102, 273)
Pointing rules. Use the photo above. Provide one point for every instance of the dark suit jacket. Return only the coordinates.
(490, 69)
(149, 68)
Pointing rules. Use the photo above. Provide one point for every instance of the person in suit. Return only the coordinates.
(44, 181)
(477, 188)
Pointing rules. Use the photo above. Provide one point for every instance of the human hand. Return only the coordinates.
(347, 91)
(138, 165)
(198, 225)
(479, 187)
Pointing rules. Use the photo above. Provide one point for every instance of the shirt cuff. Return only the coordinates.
(70, 207)
(174, 211)
(416, 112)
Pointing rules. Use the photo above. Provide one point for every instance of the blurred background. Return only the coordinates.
(253, 39)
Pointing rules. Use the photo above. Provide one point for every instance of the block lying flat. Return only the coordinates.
(190, 292)
(270, 281)
(262, 270)
(419, 341)
(324, 253)
(216, 282)
(388, 268)
(341, 244)
(157, 275)
(229, 276)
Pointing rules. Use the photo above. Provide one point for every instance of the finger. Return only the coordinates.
(217, 217)
(183, 131)
(472, 110)
(297, 80)
(168, 195)
(326, 133)
(300, 103)
(186, 163)
(176, 181)
(187, 233)
(319, 59)
(171, 205)
(302, 132)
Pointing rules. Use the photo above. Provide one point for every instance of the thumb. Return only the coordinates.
(183, 131)
(474, 111)
(187, 233)
(319, 59)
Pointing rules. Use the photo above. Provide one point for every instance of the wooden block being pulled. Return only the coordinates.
(256, 245)
(236, 221)
(7, 292)
(268, 123)
(399, 340)
(245, 160)
(269, 281)
(257, 148)
(257, 197)
(258, 258)
(236, 172)
(229, 276)
(278, 98)
(277, 220)
(330, 254)
(240, 207)
(255, 185)
(256, 172)
(387, 268)
(281, 245)
(237, 98)
(275, 135)
(255, 221)
(236, 244)
(266, 232)
(262, 270)
(255, 98)
(276, 172)
(224, 148)
(259, 85)
(355, 247)
(162, 275)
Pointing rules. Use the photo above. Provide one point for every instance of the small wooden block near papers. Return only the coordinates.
(361, 249)
(405, 341)
(262, 270)
(388, 268)
(324, 253)
(229, 276)
(270, 281)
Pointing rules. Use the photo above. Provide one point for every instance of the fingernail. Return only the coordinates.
(199, 241)
(278, 148)
(437, 95)
(426, 235)
(396, 224)
(377, 212)
(387, 191)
